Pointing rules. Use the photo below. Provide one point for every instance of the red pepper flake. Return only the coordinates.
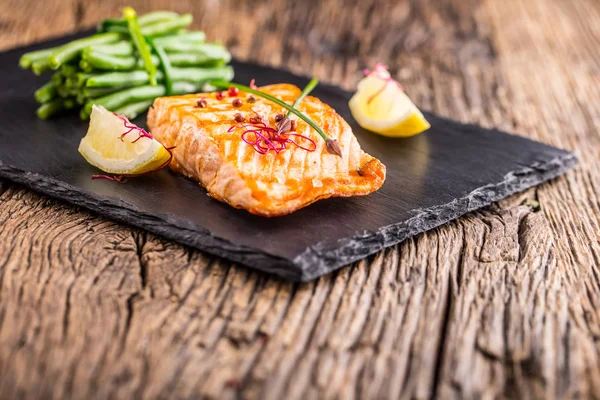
(202, 103)
(239, 117)
(233, 91)
(253, 85)
(219, 95)
(279, 117)
(236, 103)
(294, 125)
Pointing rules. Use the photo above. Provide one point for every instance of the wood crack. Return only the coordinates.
(66, 312)
(140, 238)
(446, 320)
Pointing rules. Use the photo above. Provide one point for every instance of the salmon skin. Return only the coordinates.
(208, 150)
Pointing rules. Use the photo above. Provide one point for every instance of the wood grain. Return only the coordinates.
(503, 303)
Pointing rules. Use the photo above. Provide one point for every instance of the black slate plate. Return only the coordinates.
(431, 179)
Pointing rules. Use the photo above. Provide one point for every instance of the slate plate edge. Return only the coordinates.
(163, 225)
(316, 260)
(323, 258)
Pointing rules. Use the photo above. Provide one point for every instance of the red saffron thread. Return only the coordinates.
(264, 138)
(380, 71)
(141, 133)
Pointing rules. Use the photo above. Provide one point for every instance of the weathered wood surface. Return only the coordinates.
(503, 303)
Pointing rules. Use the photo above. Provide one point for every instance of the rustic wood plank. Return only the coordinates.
(502, 303)
(524, 321)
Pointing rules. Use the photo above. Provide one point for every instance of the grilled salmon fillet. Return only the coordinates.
(207, 149)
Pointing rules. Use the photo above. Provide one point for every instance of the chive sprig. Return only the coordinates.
(331, 145)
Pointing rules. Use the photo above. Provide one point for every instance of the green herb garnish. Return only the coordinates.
(165, 64)
(309, 88)
(331, 145)
(140, 42)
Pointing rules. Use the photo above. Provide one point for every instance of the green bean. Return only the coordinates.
(122, 48)
(183, 47)
(116, 79)
(90, 58)
(134, 109)
(165, 64)
(158, 28)
(146, 19)
(136, 78)
(107, 62)
(171, 44)
(121, 98)
(196, 59)
(212, 57)
(180, 88)
(156, 16)
(51, 108)
(71, 83)
(78, 80)
(29, 58)
(70, 50)
(170, 26)
(57, 78)
(64, 91)
(82, 78)
(186, 37)
(202, 75)
(46, 93)
(85, 66)
(125, 49)
(105, 25)
(140, 42)
(69, 103)
(93, 93)
(68, 69)
(40, 66)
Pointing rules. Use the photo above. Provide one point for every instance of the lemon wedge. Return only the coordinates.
(132, 154)
(381, 106)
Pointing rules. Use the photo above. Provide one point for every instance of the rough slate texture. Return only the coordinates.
(431, 179)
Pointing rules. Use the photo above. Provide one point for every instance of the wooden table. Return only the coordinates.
(504, 302)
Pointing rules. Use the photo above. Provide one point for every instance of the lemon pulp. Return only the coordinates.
(103, 148)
